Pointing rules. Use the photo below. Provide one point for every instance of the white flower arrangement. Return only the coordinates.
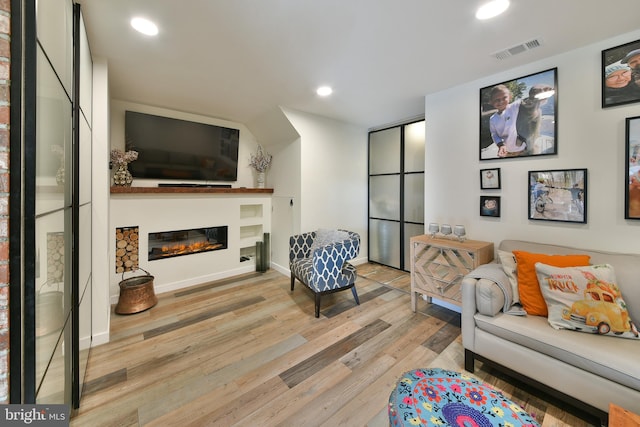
(261, 160)
(57, 149)
(119, 157)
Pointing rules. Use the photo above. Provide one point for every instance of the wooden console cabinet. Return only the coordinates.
(438, 266)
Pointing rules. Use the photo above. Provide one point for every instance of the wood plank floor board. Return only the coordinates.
(442, 338)
(191, 320)
(228, 409)
(199, 337)
(216, 354)
(225, 375)
(252, 278)
(106, 381)
(296, 374)
(416, 336)
(188, 364)
(375, 346)
(294, 401)
(327, 403)
(294, 356)
(375, 398)
(377, 308)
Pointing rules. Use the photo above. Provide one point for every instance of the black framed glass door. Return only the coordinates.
(396, 192)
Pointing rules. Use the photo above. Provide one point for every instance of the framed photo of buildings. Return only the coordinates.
(621, 74)
(558, 195)
(632, 175)
(518, 118)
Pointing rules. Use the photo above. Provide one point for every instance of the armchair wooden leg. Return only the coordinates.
(317, 305)
(293, 280)
(355, 294)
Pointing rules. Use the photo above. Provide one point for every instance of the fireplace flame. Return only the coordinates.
(181, 248)
(168, 244)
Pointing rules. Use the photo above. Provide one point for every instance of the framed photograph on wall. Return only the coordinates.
(490, 206)
(621, 74)
(558, 195)
(518, 118)
(490, 179)
(632, 175)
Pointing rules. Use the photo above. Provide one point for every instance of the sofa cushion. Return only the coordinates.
(585, 299)
(627, 265)
(528, 287)
(603, 356)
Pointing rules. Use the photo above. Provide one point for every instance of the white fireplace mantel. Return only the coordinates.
(246, 211)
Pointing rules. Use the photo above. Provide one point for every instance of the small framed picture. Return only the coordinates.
(490, 179)
(490, 206)
(632, 175)
(518, 118)
(558, 195)
(621, 74)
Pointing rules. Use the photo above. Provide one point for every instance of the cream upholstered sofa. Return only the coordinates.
(586, 370)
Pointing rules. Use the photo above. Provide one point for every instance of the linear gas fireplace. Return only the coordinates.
(167, 244)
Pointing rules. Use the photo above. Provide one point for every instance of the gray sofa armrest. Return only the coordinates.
(478, 296)
(489, 297)
(469, 309)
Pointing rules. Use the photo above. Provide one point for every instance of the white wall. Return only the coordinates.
(100, 203)
(588, 137)
(333, 175)
(284, 177)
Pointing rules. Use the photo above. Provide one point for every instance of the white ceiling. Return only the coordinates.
(240, 59)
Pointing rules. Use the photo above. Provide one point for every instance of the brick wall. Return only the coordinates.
(5, 57)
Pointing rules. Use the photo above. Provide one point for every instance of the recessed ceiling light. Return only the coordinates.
(144, 26)
(324, 91)
(491, 9)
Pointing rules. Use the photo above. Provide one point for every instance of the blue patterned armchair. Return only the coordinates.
(319, 260)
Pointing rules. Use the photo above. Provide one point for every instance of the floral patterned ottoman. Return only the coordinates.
(436, 397)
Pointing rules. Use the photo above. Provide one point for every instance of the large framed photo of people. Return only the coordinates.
(621, 74)
(518, 118)
(632, 176)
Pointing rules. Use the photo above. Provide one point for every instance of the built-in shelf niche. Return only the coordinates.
(251, 230)
(248, 254)
(248, 212)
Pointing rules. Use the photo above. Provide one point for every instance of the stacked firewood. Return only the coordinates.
(55, 257)
(126, 249)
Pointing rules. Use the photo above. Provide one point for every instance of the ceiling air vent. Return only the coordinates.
(514, 50)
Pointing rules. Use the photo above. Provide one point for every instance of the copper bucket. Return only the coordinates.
(136, 294)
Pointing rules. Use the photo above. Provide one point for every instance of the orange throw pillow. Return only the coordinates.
(529, 288)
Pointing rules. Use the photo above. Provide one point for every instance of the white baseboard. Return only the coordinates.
(99, 339)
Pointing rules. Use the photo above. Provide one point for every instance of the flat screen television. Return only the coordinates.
(177, 149)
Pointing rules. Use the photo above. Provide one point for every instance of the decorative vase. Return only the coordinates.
(60, 175)
(261, 179)
(122, 177)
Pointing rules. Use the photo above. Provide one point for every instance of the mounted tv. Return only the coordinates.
(181, 150)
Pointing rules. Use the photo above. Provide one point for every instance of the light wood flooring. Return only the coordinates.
(247, 351)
